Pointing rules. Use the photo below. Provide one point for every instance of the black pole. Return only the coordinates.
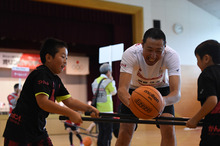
(132, 121)
(128, 116)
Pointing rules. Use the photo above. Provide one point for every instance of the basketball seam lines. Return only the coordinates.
(140, 110)
(147, 100)
(151, 88)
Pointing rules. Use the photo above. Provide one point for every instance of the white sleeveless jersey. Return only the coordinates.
(134, 63)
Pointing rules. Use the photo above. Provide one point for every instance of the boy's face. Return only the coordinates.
(58, 63)
(153, 50)
(199, 62)
(204, 62)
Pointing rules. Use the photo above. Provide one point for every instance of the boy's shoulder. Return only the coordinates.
(211, 68)
(44, 69)
(210, 71)
(41, 71)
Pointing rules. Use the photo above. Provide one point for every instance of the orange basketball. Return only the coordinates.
(146, 102)
(87, 141)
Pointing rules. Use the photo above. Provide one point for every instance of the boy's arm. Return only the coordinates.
(206, 108)
(50, 106)
(80, 106)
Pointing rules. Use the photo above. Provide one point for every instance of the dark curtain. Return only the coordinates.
(24, 24)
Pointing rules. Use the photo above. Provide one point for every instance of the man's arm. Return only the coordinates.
(124, 83)
(175, 90)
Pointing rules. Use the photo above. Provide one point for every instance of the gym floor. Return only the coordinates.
(147, 135)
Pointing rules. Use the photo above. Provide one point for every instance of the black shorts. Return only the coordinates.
(44, 141)
(163, 91)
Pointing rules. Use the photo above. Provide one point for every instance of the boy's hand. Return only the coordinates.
(192, 123)
(75, 117)
(94, 112)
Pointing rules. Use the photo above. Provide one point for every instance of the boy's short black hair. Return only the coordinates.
(154, 33)
(51, 46)
(210, 47)
(16, 86)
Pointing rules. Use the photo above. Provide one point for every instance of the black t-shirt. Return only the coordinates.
(27, 121)
(209, 85)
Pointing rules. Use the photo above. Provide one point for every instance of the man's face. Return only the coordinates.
(153, 50)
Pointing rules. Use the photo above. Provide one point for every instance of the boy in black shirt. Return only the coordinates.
(26, 124)
(208, 60)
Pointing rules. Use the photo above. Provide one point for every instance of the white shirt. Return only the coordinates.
(134, 63)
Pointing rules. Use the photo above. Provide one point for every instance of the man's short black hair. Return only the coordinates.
(210, 47)
(51, 46)
(154, 33)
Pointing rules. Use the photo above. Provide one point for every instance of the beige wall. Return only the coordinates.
(198, 24)
(188, 104)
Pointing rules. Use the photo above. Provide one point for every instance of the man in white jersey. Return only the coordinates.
(154, 64)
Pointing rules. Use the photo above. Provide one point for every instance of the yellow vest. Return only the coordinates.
(104, 99)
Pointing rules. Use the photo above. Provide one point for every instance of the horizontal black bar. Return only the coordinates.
(113, 115)
(133, 117)
(132, 121)
(136, 121)
(63, 118)
(172, 118)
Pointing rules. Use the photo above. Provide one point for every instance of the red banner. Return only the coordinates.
(9, 60)
(20, 72)
(29, 60)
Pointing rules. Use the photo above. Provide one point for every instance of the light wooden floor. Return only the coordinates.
(146, 135)
(150, 137)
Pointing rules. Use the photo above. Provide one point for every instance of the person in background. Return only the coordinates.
(73, 128)
(104, 102)
(208, 60)
(13, 97)
(92, 125)
(150, 63)
(26, 124)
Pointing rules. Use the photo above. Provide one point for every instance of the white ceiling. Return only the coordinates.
(211, 6)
